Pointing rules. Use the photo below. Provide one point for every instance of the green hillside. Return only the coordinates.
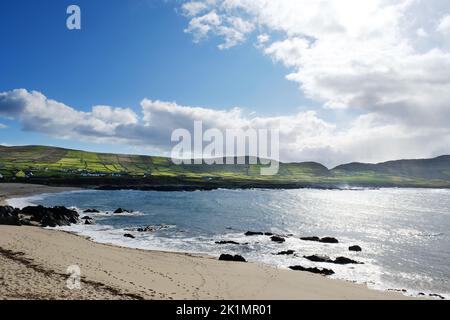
(40, 163)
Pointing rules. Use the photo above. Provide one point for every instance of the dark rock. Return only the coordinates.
(9, 216)
(87, 222)
(355, 248)
(317, 239)
(286, 253)
(329, 240)
(252, 233)
(268, 234)
(120, 210)
(435, 295)
(239, 258)
(91, 211)
(227, 242)
(127, 235)
(229, 257)
(277, 239)
(152, 228)
(326, 259)
(325, 272)
(50, 217)
(86, 218)
(344, 260)
(319, 258)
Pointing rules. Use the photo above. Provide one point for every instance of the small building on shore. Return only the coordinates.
(1, 176)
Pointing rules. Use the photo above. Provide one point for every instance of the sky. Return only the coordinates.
(345, 80)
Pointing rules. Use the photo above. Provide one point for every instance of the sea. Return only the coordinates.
(404, 233)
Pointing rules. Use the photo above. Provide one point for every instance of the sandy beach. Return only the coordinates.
(34, 262)
(16, 190)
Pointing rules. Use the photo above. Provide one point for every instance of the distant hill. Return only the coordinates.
(42, 164)
(436, 168)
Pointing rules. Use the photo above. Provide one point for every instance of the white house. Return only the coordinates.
(1, 176)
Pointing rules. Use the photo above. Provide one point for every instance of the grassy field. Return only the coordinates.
(31, 162)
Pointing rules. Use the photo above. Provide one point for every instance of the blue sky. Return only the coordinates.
(337, 104)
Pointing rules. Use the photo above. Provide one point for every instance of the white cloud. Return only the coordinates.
(369, 57)
(304, 136)
(3, 126)
(444, 25)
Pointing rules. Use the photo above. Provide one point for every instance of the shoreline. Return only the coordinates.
(19, 190)
(114, 272)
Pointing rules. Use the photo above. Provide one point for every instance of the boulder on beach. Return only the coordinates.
(50, 217)
(253, 233)
(355, 248)
(325, 272)
(91, 211)
(277, 239)
(229, 257)
(87, 222)
(286, 253)
(127, 235)
(329, 240)
(9, 216)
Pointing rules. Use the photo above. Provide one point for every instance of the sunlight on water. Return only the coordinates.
(404, 233)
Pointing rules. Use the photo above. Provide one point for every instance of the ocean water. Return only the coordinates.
(404, 233)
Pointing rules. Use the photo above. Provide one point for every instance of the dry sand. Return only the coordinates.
(16, 190)
(34, 261)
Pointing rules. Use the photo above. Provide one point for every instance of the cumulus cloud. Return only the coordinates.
(444, 25)
(384, 59)
(304, 136)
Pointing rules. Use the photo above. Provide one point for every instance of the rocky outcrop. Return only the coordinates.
(229, 257)
(9, 216)
(48, 217)
(355, 248)
(127, 235)
(325, 272)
